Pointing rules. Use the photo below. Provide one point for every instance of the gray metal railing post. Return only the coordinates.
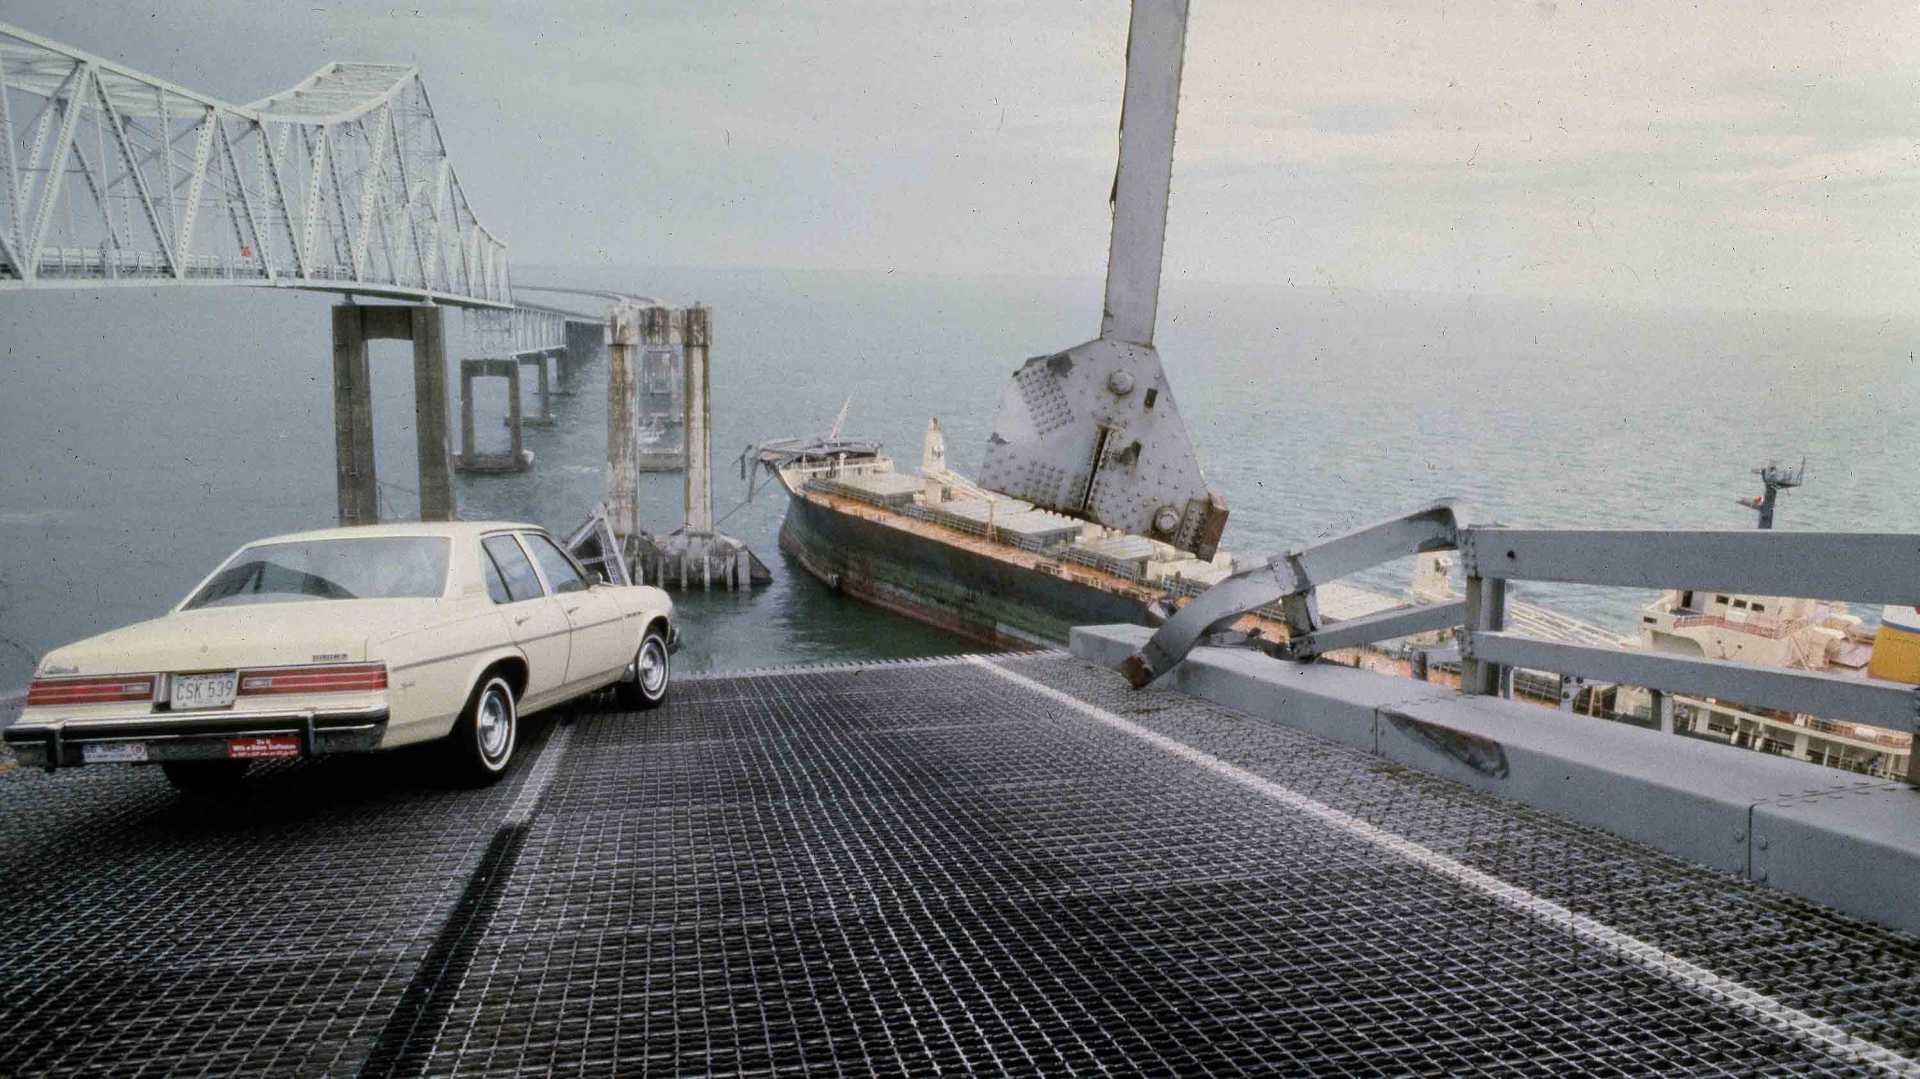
(1569, 691)
(1662, 710)
(1486, 613)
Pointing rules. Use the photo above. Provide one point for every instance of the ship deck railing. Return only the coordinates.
(851, 467)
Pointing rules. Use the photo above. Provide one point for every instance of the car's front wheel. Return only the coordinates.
(205, 779)
(652, 670)
(483, 740)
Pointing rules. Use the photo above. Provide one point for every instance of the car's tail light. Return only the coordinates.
(335, 678)
(108, 690)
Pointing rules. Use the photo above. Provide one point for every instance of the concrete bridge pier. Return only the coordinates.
(695, 555)
(624, 336)
(544, 385)
(584, 340)
(355, 477)
(516, 459)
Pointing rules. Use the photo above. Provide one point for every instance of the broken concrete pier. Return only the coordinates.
(693, 555)
(660, 385)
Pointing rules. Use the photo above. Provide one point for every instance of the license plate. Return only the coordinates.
(193, 691)
(113, 752)
(264, 747)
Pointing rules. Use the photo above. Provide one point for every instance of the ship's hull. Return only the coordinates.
(988, 600)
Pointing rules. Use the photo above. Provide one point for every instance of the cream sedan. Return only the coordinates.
(348, 640)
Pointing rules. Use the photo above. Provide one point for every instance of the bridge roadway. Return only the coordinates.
(968, 864)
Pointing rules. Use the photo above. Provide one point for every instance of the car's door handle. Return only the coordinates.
(573, 610)
(522, 620)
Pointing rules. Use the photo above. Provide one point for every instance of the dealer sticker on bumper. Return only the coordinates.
(113, 752)
(264, 747)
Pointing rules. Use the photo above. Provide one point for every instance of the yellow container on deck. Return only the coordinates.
(1896, 651)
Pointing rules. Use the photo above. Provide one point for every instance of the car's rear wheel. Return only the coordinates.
(652, 672)
(205, 779)
(483, 740)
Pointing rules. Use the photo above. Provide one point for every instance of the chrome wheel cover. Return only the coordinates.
(493, 724)
(653, 667)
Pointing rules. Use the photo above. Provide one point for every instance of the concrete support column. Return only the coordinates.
(543, 417)
(353, 326)
(430, 413)
(354, 477)
(467, 373)
(583, 340)
(624, 336)
(515, 430)
(471, 459)
(699, 422)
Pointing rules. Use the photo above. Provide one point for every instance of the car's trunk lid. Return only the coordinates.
(260, 635)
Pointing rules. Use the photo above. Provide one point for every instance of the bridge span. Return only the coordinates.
(341, 183)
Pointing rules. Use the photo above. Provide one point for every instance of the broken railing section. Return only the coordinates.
(1289, 580)
(695, 554)
(1873, 568)
(595, 547)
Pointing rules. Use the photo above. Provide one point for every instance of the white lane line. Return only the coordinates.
(544, 768)
(838, 668)
(1790, 1021)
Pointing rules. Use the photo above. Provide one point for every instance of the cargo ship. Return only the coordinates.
(1091, 502)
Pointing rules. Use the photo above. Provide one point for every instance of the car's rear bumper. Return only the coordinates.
(205, 736)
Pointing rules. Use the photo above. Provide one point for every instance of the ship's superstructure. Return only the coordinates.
(1791, 632)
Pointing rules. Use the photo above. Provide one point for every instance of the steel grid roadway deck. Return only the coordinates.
(1012, 864)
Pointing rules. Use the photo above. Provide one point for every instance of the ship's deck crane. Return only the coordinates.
(1774, 478)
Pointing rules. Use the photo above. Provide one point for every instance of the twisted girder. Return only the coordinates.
(341, 183)
(1289, 580)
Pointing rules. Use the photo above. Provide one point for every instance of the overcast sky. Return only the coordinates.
(1724, 154)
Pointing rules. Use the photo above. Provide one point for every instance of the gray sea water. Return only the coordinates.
(146, 433)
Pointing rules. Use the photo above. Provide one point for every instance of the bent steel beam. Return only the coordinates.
(1093, 432)
(340, 184)
(1292, 576)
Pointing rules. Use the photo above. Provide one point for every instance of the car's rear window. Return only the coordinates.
(374, 567)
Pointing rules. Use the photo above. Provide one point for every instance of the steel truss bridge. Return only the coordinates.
(339, 184)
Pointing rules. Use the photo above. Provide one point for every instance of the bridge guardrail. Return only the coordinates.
(1859, 567)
